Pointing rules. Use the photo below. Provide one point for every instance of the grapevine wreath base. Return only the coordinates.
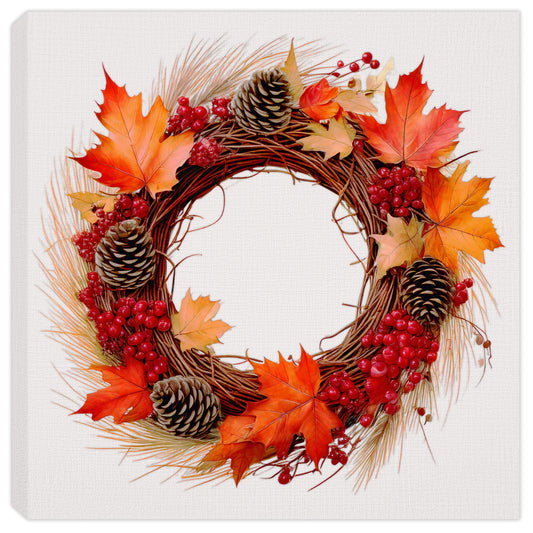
(146, 371)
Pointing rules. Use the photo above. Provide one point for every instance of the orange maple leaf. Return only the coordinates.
(408, 135)
(316, 101)
(290, 408)
(132, 156)
(233, 445)
(193, 325)
(450, 203)
(126, 399)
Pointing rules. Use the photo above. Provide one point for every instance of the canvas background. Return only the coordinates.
(280, 289)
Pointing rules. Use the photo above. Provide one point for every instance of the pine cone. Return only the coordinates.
(125, 257)
(185, 406)
(427, 291)
(262, 104)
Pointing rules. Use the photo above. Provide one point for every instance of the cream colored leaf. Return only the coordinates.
(376, 84)
(337, 139)
(401, 245)
(290, 68)
(354, 102)
(85, 201)
(192, 324)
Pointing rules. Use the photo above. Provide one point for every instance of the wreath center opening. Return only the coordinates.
(275, 259)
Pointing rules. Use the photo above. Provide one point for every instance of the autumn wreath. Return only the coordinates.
(146, 371)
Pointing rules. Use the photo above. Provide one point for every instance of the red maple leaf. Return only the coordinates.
(317, 101)
(408, 135)
(291, 408)
(132, 156)
(126, 399)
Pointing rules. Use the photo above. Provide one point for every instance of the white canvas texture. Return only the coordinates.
(276, 260)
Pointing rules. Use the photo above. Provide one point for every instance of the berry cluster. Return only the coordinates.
(336, 454)
(220, 108)
(341, 390)
(403, 344)
(205, 152)
(187, 117)
(461, 292)
(128, 329)
(355, 66)
(126, 206)
(396, 190)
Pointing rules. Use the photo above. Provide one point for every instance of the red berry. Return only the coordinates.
(354, 67)
(124, 311)
(366, 57)
(469, 282)
(152, 376)
(366, 420)
(200, 111)
(340, 64)
(151, 322)
(393, 371)
(400, 324)
(323, 396)
(409, 386)
(359, 146)
(160, 308)
(140, 306)
(183, 100)
(390, 408)
(333, 393)
(374, 64)
(346, 385)
(415, 377)
(284, 477)
(164, 324)
(460, 287)
(431, 357)
(160, 366)
(197, 125)
(344, 399)
(364, 365)
(421, 411)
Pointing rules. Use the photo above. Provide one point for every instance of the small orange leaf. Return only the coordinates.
(131, 156)
(193, 325)
(126, 399)
(450, 203)
(317, 101)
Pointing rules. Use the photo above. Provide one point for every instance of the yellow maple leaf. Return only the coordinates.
(337, 139)
(193, 325)
(355, 102)
(290, 68)
(401, 245)
(450, 204)
(85, 201)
